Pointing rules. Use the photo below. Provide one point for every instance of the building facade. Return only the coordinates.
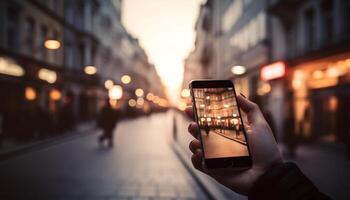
(293, 58)
(55, 57)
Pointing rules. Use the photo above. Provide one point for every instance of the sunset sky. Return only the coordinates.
(165, 28)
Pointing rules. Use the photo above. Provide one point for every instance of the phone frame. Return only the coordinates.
(241, 162)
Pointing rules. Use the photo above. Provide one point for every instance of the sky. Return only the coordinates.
(165, 29)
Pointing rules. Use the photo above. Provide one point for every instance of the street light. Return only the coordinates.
(185, 93)
(52, 44)
(238, 70)
(90, 70)
(139, 92)
(108, 84)
(116, 92)
(126, 79)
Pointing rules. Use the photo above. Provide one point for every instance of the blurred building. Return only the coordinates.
(282, 52)
(55, 57)
(312, 38)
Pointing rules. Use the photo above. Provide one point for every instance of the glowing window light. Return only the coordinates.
(8, 67)
(185, 93)
(226, 106)
(318, 74)
(132, 102)
(149, 96)
(116, 92)
(273, 71)
(201, 105)
(238, 70)
(52, 44)
(108, 84)
(156, 99)
(55, 95)
(182, 105)
(90, 70)
(139, 92)
(126, 79)
(47, 75)
(140, 101)
(30, 93)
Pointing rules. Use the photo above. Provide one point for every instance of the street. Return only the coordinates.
(140, 166)
(216, 146)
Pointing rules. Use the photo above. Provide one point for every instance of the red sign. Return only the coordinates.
(273, 71)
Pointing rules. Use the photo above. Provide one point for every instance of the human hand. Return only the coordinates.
(262, 144)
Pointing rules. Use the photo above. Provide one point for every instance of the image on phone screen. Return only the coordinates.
(220, 123)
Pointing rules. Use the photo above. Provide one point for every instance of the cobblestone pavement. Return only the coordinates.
(140, 166)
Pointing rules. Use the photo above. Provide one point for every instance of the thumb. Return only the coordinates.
(250, 108)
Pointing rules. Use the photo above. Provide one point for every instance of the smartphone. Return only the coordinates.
(222, 133)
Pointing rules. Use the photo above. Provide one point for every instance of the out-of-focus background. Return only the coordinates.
(67, 65)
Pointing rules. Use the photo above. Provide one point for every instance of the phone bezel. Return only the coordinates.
(242, 162)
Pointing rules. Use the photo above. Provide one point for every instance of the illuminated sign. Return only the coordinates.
(273, 71)
(47, 75)
(9, 67)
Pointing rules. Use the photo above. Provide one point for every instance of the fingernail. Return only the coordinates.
(242, 95)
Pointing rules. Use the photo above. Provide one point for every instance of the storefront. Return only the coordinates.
(322, 98)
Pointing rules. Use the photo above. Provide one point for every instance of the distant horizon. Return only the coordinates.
(165, 29)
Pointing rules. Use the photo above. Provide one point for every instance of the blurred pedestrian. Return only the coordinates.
(206, 128)
(107, 120)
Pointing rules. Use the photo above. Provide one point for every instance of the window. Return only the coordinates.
(12, 29)
(29, 37)
(310, 29)
(327, 20)
(42, 38)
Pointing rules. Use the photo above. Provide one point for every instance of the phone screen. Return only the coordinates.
(220, 123)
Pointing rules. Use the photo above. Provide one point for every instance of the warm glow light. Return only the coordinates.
(139, 92)
(273, 71)
(263, 89)
(202, 106)
(132, 102)
(185, 93)
(226, 106)
(126, 79)
(335, 71)
(47, 75)
(150, 96)
(238, 70)
(55, 95)
(108, 84)
(52, 44)
(298, 77)
(156, 99)
(166, 49)
(116, 92)
(318, 74)
(9, 67)
(30, 93)
(90, 70)
(182, 105)
(140, 101)
(208, 97)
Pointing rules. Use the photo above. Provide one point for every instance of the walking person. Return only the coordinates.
(107, 120)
